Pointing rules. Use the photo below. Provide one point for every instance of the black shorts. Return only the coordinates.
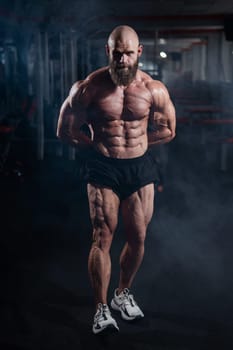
(123, 176)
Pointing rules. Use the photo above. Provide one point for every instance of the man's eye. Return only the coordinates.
(117, 54)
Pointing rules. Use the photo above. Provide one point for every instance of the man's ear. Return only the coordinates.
(107, 49)
(140, 49)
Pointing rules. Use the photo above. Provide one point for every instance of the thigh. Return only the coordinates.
(137, 211)
(104, 207)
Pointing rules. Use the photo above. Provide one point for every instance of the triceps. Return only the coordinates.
(67, 124)
(65, 119)
(73, 116)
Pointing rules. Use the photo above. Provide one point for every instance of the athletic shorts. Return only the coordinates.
(123, 176)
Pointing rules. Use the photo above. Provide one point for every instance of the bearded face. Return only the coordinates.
(121, 73)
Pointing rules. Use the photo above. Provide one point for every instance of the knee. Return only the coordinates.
(137, 241)
(102, 238)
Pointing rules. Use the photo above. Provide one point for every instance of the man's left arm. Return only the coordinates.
(162, 121)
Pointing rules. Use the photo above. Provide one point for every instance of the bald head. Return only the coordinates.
(123, 33)
(124, 50)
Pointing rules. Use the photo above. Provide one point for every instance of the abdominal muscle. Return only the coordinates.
(122, 139)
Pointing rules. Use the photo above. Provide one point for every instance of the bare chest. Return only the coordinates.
(121, 104)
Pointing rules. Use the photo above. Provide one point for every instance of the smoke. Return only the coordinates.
(187, 260)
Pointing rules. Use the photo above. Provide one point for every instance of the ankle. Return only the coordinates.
(120, 290)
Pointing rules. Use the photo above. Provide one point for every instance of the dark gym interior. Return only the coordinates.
(185, 283)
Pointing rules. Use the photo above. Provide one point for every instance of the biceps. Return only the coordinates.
(158, 121)
(165, 118)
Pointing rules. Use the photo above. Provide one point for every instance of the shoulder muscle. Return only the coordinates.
(159, 93)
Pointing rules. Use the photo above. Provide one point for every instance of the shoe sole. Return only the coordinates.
(110, 329)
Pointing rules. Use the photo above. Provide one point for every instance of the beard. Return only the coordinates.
(121, 74)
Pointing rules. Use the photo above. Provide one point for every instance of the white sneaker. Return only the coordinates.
(103, 320)
(125, 303)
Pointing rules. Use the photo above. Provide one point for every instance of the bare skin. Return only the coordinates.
(118, 116)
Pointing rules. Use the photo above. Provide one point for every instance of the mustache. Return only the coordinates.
(119, 66)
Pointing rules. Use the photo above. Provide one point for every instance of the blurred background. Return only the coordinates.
(185, 283)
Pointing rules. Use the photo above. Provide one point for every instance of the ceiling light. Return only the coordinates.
(163, 54)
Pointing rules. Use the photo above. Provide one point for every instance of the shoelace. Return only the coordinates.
(101, 312)
(128, 298)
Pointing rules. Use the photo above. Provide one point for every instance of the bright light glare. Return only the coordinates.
(162, 41)
(140, 64)
(163, 54)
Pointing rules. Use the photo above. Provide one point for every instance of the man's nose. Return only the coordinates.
(123, 58)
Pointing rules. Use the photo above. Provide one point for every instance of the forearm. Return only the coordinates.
(76, 140)
(159, 137)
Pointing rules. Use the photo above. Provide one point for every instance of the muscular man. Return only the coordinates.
(118, 102)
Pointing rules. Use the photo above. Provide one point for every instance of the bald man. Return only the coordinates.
(118, 102)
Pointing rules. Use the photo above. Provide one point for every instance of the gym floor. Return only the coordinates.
(184, 285)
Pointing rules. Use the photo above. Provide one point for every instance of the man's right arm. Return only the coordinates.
(71, 118)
